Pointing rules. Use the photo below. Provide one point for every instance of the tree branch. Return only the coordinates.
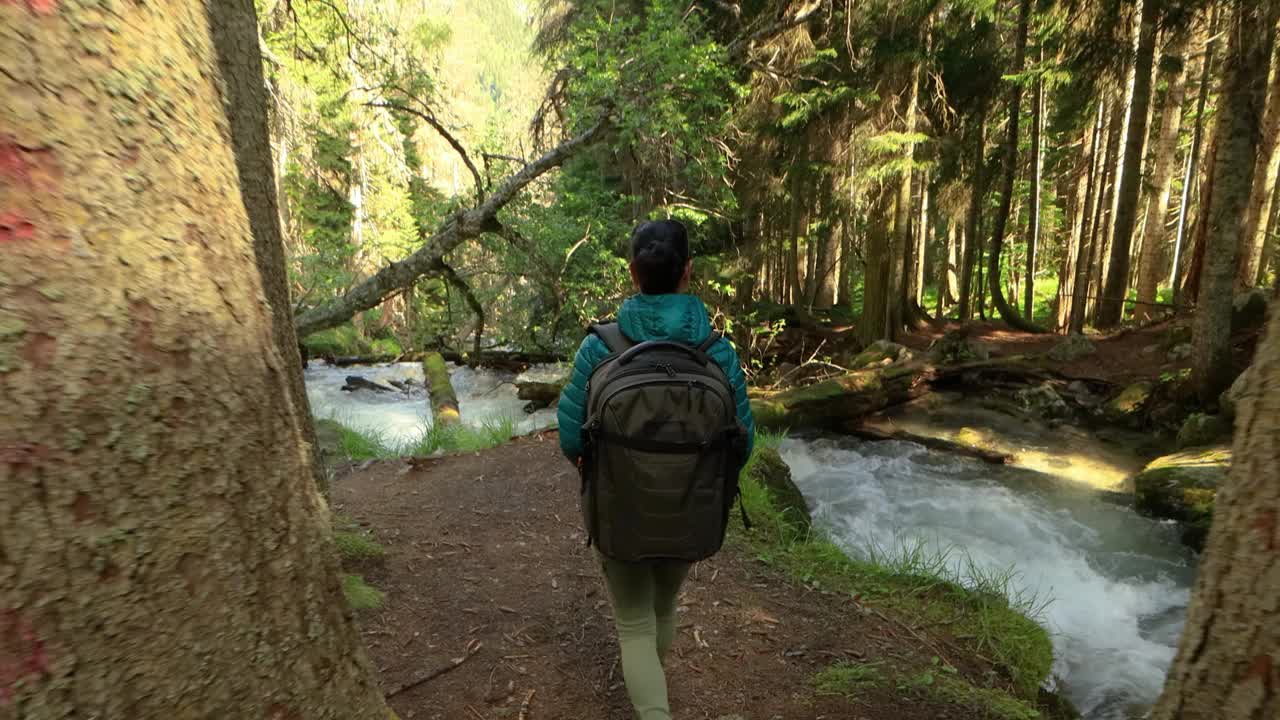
(737, 47)
(431, 120)
(464, 225)
(453, 278)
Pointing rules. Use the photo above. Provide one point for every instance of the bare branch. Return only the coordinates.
(431, 120)
(737, 47)
(453, 278)
(462, 226)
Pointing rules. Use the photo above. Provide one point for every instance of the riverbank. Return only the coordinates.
(488, 581)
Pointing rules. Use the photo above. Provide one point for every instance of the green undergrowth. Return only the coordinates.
(361, 595)
(936, 682)
(926, 588)
(363, 444)
(354, 544)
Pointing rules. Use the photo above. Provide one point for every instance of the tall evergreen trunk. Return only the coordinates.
(1193, 157)
(1089, 223)
(1116, 288)
(1238, 138)
(949, 280)
(1154, 259)
(877, 279)
(899, 302)
(1253, 239)
(1007, 312)
(1269, 246)
(164, 550)
(1080, 206)
(1033, 224)
(1200, 231)
(828, 248)
(974, 218)
(1227, 666)
(846, 259)
(1106, 207)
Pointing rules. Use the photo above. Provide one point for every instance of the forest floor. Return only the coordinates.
(485, 562)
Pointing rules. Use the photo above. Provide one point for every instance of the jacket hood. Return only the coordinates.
(678, 317)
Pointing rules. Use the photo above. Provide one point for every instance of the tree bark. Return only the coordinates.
(877, 286)
(1154, 258)
(1227, 666)
(163, 548)
(898, 299)
(1254, 237)
(974, 218)
(1238, 138)
(1111, 304)
(1200, 231)
(1033, 223)
(1092, 206)
(444, 402)
(1193, 159)
(1007, 312)
(462, 226)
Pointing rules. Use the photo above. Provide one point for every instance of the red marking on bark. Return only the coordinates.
(1265, 524)
(23, 455)
(43, 7)
(37, 168)
(82, 508)
(39, 350)
(22, 653)
(15, 228)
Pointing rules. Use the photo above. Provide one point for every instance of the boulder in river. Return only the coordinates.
(774, 475)
(541, 386)
(355, 382)
(1182, 487)
(1072, 348)
(1043, 401)
(1201, 429)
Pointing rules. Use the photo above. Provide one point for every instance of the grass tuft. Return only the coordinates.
(365, 444)
(357, 547)
(361, 595)
(849, 679)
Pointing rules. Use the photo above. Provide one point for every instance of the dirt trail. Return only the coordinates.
(484, 550)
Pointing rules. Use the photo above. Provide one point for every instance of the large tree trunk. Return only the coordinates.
(974, 219)
(1007, 312)
(1116, 288)
(1254, 237)
(164, 550)
(234, 29)
(1200, 231)
(1033, 224)
(1078, 212)
(1193, 157)
(1092, 206)
(899, 301)
(1155, 256)
(1238, 137)
(876, 293)
(828, 249)
(1227, 666)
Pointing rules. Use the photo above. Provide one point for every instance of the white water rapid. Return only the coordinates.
(400, 418)
(1119, 583)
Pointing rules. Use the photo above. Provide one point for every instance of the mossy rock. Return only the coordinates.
(341, 341)
(542, 387)
(1229, 401)
(1128, 406)
(974, 438)
(1182, 487)
(329, 438)
(1073, 347)
(1043, 401)
(1249, 309)
(1201, 429)
(774, 475)
(957, 347)
(386, 347)
(880, 352)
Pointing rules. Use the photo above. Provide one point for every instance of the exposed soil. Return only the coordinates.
(484, 550)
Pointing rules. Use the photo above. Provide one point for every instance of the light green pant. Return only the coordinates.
(644, 608)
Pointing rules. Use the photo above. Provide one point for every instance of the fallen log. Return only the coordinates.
(838, 402)
(497, 359)
(355, 382)
(444, 402)
(870, 432)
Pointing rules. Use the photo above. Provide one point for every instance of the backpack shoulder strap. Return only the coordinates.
(712, 339)
(612, 336)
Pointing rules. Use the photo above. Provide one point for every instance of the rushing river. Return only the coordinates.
(402, 417)
(1118, 584)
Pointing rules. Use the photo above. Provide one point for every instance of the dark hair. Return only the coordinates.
(659, 253)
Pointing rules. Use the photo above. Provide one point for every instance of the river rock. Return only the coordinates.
(880, 352)
(541, 386)
(1182, 487)
(355, 382)
(1043, 401)
(1127, 407)
(771, 471)
(1249, 309)
(1230, 399)
(1201, 429)
(1073, 347)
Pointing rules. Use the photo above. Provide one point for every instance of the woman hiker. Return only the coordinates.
(644, 591)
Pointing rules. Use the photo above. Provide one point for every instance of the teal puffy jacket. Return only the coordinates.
(682, 318)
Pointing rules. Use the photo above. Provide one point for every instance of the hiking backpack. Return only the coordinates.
(662, 449)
